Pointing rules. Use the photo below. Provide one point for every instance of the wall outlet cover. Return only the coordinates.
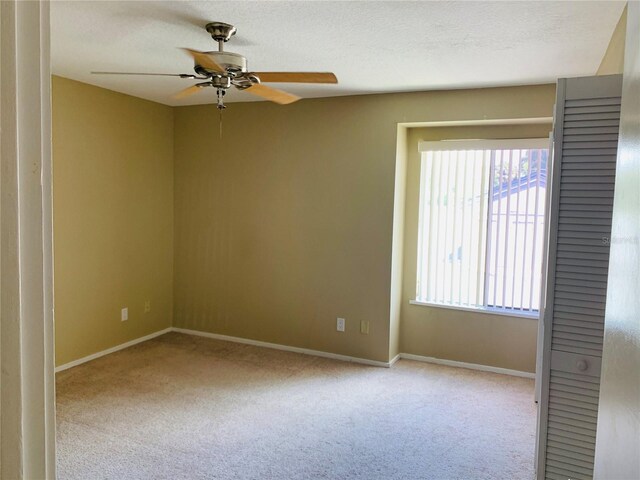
(124, 314)
(364, 327)
(340, 324)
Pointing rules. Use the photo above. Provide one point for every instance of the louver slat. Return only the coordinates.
(581, 296)
(571, 393)
(599, 124)
(592, 129)
(575, 471)
(563, 327)
(582, 263)
(584, 343)
(593, 109)
(567, 407)
(582, 270)
(580, 285)
(567, 436)
(580, 461)
(569, 334)
(566, 473)
(581, 216)
(571, 452)
(579, 426)
(586, 140)
(591, 152)
(585, 193)
(575, 347)
(567, 323)
(571, 444)
(577, 310)
(589, 321)
(573, 279)
(580, 143)
(586, 168)
(585, 208)
(579, 254)
(570, 178)
(584, 102)
(587, 401)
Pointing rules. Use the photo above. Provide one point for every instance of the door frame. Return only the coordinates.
(27, 381)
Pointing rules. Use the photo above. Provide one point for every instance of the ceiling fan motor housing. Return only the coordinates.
(220, 82)
(233, 63)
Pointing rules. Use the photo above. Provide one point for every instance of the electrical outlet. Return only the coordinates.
(340, 324)
(147, 306)
(364, 327)
(124, 314)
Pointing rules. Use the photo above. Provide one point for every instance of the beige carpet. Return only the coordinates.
(183, 407)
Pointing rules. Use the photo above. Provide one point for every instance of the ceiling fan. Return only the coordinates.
(222, 70)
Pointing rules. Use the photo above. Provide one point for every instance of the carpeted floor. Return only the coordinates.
(184, 407)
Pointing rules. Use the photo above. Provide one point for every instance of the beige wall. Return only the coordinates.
(281, 226)
(613, 60)
(286, 222)
(496, 340)
(113, 217)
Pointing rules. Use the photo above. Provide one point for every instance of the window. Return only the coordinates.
(481, 224)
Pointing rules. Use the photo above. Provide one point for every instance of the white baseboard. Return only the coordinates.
(122, 346)
(471, 366)
(304, 351)
(286, 348)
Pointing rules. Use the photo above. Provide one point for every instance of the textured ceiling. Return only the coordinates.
(375, 46)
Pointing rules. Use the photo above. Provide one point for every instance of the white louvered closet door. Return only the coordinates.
(585, 137)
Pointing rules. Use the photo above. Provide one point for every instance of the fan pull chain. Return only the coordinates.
(221, 106)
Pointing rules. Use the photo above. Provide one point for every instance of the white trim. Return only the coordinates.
(27, 400)
(482, 144)
(286, 348)
(122, 346)
(494, 121)
(304, 351)
(470, 366)
(395, 359)
(490, 311)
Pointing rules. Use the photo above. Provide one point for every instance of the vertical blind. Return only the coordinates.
(481, 223)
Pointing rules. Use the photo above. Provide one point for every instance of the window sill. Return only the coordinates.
(488, 310)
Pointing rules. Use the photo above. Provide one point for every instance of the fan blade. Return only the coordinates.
(181, 75)
(204, 60)
(187, 92)
(273, 94)
(296, 77)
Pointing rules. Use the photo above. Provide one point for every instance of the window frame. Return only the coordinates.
(481, 144)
